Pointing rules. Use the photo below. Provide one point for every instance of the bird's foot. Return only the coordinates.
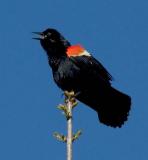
(71, 96)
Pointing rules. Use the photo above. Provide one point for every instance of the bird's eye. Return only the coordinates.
(45, 36)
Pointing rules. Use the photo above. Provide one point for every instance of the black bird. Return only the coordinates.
(75, 69)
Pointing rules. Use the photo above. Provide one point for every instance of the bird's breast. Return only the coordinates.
(67, 75)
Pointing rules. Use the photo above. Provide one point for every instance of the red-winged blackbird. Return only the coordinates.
(75, 69)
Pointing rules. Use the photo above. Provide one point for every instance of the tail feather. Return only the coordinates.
(115, 109)
(112, 106)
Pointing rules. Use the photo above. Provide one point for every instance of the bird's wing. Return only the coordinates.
(91, 66)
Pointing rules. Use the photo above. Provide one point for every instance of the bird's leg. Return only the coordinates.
(77, 94)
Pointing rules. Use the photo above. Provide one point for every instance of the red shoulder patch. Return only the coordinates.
(75, 50)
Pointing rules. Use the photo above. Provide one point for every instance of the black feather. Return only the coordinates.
(86, 76)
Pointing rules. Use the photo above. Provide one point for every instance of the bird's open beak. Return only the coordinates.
(41, 36)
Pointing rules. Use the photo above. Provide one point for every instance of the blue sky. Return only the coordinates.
(116, 33)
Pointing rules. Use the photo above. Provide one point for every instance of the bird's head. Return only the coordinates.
(51, 40)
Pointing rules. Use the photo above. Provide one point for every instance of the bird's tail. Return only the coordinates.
(114, 108)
